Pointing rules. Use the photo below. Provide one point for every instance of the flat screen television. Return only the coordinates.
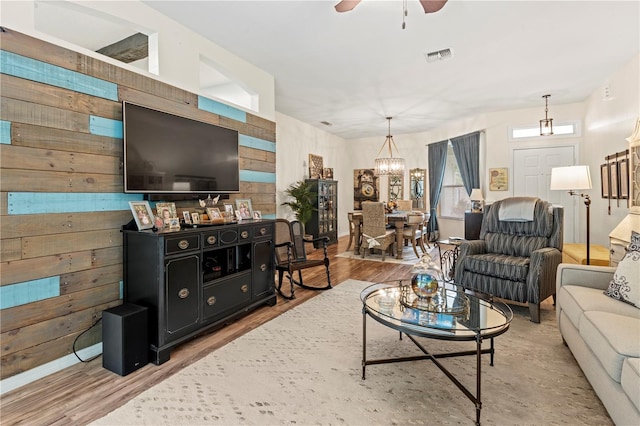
(168, 154)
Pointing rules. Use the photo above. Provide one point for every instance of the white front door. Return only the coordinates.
(532, 176)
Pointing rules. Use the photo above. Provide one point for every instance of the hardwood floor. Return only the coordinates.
(86, 391)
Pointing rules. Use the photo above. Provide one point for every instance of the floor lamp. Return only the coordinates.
(574, 178)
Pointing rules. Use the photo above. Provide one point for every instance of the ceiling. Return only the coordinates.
(354, 69)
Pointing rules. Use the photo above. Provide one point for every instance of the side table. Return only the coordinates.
(448, 257)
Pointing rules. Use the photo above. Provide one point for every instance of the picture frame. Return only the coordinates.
(316, 166)
(174, 224)
(328, 173)
(238, 216)
(623, 178)
(613, 180)
(499, 179)
(142, 214)
(195, 218)
(604, 180)
(186, 216)
(244, 207)
(257, 215)
(214, 213)
(229, 211)
(166, 211)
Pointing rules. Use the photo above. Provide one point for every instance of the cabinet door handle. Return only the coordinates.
(263, 267)
(183, 293)
(244, 288)
(263, 231)
(211, 239)
(183, 244)
(211, 300)
(244, 234)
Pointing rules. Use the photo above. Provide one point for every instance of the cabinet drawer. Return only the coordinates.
(263, 231)
(210, 239)
(182, 244)
(226, 294)
(617, 252)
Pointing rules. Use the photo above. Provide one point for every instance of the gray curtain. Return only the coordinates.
(467, 151)
(437, 161)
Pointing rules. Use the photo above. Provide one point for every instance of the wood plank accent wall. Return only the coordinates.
(61, 199)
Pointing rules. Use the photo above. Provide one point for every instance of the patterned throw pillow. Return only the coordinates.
(625, 285)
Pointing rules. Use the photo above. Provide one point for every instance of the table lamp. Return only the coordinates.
(476, 200)
(573, 178)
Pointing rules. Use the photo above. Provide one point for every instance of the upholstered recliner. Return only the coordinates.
(516, 257)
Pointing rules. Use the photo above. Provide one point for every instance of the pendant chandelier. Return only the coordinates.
(389, 165)
(546, 124)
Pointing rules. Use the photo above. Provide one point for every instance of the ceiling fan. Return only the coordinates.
(429, 6)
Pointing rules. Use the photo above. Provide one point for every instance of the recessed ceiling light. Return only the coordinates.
(439, 55)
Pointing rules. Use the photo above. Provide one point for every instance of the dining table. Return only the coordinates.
(395, 219)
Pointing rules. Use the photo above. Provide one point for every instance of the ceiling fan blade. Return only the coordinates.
(346, 5)
(431, 6)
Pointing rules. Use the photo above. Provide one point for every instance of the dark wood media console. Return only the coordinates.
(197, 279)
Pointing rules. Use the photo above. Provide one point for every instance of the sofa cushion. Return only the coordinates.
(575, 300)
(612, 338)
(625, 285)
(630, 380)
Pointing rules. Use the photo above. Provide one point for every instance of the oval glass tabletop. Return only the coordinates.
(449, 314)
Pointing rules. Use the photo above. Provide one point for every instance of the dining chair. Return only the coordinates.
(404, 205)
(375, 234)
(352, 231)
(413, 232)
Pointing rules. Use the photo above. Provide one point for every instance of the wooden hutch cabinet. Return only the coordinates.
(197, 279)
(324, 221)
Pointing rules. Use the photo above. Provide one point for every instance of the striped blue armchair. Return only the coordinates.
(516, 257)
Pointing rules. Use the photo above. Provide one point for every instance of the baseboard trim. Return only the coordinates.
(14, 382)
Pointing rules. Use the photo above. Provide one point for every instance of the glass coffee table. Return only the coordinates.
(449, 315)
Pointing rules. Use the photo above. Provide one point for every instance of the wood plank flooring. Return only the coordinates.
(86, 391)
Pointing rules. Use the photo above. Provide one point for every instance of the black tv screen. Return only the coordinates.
(168, 154)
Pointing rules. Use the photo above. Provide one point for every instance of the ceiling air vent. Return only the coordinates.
(439, 55)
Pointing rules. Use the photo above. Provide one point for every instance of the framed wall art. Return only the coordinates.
(315, 166)
(604, 180)
(623, 171)
(142, 214)
(499, 179)
(613, 180)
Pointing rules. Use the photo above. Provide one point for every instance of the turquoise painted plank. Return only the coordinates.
(121, 289)
(31, 69)
(105, 127)
(5, 132)
(253, 176)
(62, 202)
(268, 216)
(219, 108)
(251, 142)
(29, 291)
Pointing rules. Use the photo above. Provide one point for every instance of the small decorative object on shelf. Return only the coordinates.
(426, 275)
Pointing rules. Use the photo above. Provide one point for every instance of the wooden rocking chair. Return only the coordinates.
(291, 256)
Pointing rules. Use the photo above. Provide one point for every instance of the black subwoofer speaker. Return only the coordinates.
(125, 341)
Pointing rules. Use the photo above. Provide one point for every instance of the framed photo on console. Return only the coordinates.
(142, 214)
(245, 209)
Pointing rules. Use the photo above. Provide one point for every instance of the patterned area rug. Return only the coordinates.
(408, 255)
(304, 367)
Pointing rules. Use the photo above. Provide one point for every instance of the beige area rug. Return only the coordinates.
(304, 368)
(408, 255)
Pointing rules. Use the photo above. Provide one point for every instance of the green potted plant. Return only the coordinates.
(302, 203)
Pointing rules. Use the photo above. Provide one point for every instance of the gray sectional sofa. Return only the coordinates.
(603, 335)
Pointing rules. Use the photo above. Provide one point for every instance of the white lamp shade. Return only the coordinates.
(571, 177)
(476, 195)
